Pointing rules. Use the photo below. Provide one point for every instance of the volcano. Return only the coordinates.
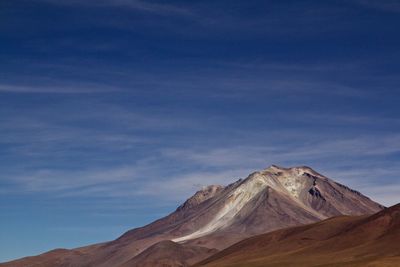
(216, 217)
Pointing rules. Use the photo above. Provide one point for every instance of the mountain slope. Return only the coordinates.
(171, 254)
(340, 241)
(217, 217)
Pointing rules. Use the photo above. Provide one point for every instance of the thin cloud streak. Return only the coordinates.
(391, 6)
(56, 89)
(225, 165)
(145, 6)
(349, 148)
(42, 135)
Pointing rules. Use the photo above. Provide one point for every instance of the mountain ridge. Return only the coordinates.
(217, 217)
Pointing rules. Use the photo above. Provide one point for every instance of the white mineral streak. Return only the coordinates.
(287, 182)
(235, 202)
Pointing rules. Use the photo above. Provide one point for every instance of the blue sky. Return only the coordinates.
(112, 113)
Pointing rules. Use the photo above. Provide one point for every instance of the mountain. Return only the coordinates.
(340, 241)
(217, 217)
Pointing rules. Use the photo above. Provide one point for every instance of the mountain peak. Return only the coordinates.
(301, 187)
(274, 168)
(299, 169)
(292, 181)
(200, 196)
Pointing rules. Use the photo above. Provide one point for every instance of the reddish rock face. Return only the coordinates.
(216, 217)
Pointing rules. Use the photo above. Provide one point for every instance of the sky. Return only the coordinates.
(112, 113)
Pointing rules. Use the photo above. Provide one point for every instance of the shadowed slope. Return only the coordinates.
(341, 241)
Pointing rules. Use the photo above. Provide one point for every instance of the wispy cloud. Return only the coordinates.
(387, 5)
(135, 161)
(136, 180)
(48, 180)
(359, 162)
(140, 5)
(221, 166)
(345, 148)
(57, 89)
(224, 17)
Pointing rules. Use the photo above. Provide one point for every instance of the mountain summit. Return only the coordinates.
(277, 197)
(217, 217)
